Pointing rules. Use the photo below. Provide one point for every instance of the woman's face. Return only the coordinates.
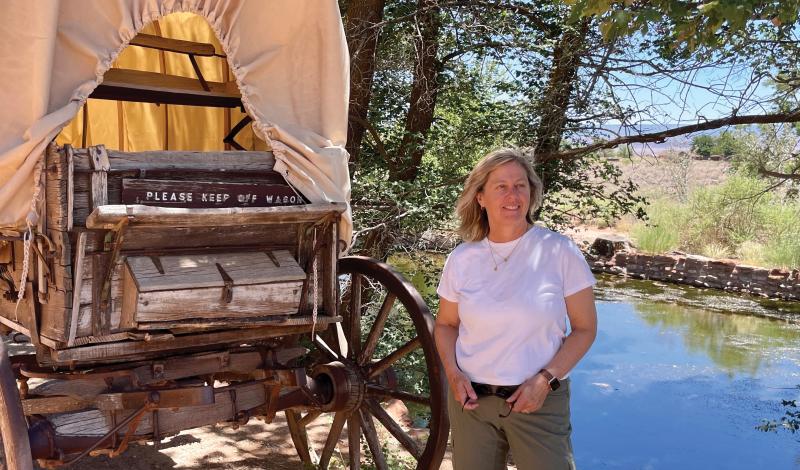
(506, 196)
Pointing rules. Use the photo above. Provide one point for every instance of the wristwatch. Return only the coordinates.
(551, 380)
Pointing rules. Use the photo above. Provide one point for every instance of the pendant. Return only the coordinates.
(495, 268)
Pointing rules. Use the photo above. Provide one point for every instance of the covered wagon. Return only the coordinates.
(173, 218)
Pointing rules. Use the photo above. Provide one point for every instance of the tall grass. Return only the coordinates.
(735, 218)
(658, 234)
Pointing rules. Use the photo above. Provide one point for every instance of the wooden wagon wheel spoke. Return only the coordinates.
(309, 418)
(377, 329)
(379, 391)
(333, 438)
(354, 440)
(391, 425)
(323, 346)
(13, 427)
(374, 296)
(299, 436)
(380, 366)
(354, 318)
(371, 435)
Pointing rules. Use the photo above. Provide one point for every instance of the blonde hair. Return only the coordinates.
(473, 222)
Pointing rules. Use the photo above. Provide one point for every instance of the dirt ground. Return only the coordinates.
(256, 445)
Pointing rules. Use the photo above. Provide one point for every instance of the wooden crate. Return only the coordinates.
(165, 291)
(89, 299)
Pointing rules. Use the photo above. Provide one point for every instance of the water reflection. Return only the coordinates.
(735, 343)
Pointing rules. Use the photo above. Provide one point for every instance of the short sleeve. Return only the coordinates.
(575, 270)
(447, 283)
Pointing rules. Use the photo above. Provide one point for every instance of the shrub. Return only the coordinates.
(737, 217)
(751, 252)
(662, 232)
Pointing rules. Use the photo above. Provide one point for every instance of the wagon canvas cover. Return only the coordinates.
(288, 57)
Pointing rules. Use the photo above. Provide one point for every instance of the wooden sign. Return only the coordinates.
(201, 194)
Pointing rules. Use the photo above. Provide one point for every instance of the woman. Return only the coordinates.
(505, 295)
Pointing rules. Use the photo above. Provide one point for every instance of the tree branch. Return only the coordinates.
(379, 146)
(776, 174)
(659, 137)
(519, 9)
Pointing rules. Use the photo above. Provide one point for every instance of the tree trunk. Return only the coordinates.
(362, 40)
(405, 166)
(552, 109)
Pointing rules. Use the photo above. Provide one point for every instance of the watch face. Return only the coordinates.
(554, 384)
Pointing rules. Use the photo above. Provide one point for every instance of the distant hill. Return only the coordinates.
(680, 143)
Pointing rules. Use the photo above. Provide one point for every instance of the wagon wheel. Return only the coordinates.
(13, 427)
(375, 372)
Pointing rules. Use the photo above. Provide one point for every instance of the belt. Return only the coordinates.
(502, 391)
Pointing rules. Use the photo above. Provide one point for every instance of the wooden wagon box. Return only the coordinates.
(146, 253)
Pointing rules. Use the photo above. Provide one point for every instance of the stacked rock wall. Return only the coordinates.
(700, 271)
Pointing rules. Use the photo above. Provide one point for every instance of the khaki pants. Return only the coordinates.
(538, 441)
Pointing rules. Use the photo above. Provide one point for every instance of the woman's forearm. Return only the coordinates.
(445, 337)
(574, 348)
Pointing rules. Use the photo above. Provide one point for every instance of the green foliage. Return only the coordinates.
(737, 217)
(694, 24)
(476, 113)
(703, 145)
(771, 149)
(726, 144)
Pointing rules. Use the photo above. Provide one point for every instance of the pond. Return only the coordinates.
(670, 385)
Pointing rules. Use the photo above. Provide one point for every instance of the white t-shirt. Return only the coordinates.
(512, 320)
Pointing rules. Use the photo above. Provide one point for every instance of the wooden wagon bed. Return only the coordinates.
(118, 280)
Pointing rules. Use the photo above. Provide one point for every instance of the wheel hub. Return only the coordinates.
(339, 387)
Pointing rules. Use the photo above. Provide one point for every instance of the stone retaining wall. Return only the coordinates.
(700, 271)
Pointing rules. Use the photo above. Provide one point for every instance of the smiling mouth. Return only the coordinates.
(511, 208)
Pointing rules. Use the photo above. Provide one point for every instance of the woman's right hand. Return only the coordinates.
(461, 387)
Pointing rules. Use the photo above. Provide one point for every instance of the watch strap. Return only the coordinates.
(551, 379)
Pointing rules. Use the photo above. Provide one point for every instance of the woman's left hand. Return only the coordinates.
(530, 396)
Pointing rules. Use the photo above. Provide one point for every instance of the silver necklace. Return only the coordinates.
(503, 258)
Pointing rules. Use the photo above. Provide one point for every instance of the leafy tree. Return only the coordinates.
(726, 144)
(442, 83)
(703, 145)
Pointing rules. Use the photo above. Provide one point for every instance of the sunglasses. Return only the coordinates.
(501, 391)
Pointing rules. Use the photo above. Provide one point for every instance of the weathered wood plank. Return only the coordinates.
(197, 271)
(80, 253)
(106, 217)
(97, 423)
(248, 301)
(142, 349)
(155, 239)
(98, 158)
(56, 183)
(70, 187)
(329, 283)
(152, 87)
(217, 162)
(99, 189)
(198, 324)
(173, 45)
